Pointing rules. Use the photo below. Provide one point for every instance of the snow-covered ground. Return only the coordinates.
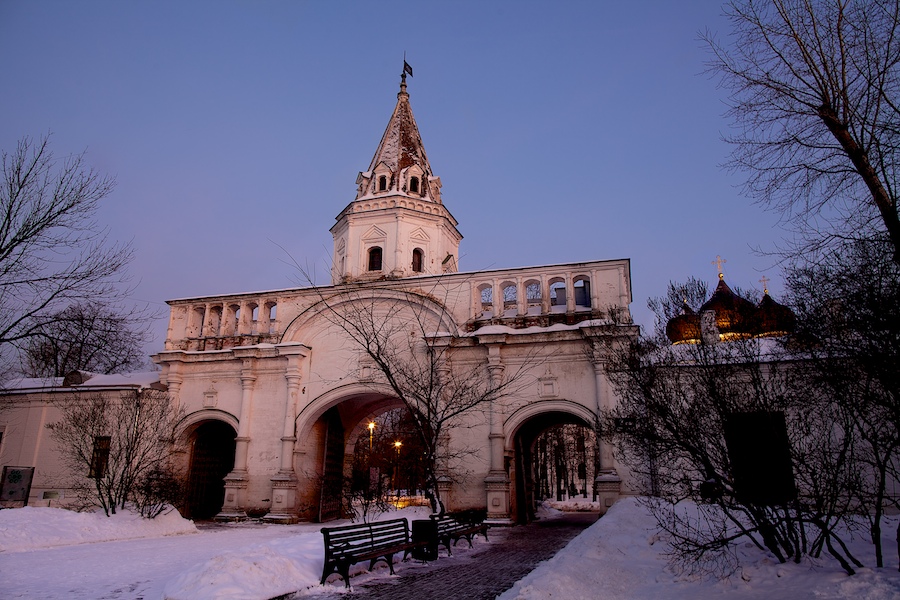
(51, 553)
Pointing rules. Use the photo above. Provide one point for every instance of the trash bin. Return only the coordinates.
(425, 530)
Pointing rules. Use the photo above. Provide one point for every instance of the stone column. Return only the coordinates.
(262, 320)
(496, 299)
(521, 298)
(607, 483)
(284, 483)
(173, 382)
(236, 481)
(243, 326)
(497, 481)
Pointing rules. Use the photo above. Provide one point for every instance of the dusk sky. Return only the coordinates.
(562, 131)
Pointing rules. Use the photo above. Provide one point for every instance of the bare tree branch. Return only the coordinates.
(814, 97)
(53, 254)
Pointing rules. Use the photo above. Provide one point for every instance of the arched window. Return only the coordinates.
(510, 295)
(533, 297)
(414, 185)
(382, 183)
(486, 294)
(273, 315)
(375, 259)
(582, 288)
(254, 318)
(197, 321)
(558, 292)
(417, 260)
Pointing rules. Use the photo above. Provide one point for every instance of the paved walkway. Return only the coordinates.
(482, 573)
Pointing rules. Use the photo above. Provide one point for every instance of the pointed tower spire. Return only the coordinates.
(400, 163)
(397, 226)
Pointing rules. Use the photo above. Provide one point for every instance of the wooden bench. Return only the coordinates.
(449, 529)
(350, 544)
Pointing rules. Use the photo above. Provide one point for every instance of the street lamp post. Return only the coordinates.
(371, 431)
(397, 445)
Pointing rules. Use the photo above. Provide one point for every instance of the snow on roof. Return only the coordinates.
(503, 329)
(142, 380)
(31, 383)
(92, 380)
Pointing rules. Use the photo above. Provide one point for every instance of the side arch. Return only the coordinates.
(191, 421)
(209, 443)
(521, 431)
(514, 422)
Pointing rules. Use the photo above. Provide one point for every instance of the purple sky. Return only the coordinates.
(562, 131)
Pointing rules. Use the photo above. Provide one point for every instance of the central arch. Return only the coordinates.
(331, 425)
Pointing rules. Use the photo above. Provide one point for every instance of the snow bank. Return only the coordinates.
(267, 570)
(33, 527)
(252, 573)
(619, 557)
(622, 557)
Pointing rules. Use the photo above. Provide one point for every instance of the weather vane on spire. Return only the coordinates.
(406, 69)
(719, 262)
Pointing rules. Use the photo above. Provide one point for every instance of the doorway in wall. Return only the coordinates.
(212, 458)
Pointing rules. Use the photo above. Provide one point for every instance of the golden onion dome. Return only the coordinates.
(684, 328)
(735, 316)
(773, 319)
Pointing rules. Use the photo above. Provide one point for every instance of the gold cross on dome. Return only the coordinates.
(765, 281)
(719, 262)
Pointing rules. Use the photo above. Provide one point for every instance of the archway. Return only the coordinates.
(555, 456)
(333, 427)
(212, 446)
(387, 468)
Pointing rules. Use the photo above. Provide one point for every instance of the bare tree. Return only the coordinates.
(677, 405)
(815, 96)
(95, 337)
(848, 309)
(53, 254)
(118, 448)
(441, 377)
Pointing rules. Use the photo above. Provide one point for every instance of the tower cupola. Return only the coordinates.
(397, 226)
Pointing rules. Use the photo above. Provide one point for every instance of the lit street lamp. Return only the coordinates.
(397, 445)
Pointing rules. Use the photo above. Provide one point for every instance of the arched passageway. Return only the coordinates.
(354, 460)
(212, 446)
(555, 457)
(387, 461)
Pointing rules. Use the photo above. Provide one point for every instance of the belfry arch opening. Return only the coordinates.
(211, 458)
(555, 458)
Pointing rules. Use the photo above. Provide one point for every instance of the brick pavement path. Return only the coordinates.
(482, 573)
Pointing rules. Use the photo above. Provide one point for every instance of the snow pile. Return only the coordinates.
(268, 570)
(32, 527)
(252, 573)
(573, 505)
(623, 557)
